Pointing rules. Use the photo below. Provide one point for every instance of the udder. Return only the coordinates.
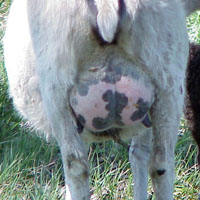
(112, 102)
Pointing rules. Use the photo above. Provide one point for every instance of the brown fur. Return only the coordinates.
(193, 93)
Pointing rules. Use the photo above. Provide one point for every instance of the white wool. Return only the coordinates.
(49, 47)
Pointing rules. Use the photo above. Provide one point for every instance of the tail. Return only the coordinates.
(193, 93)
(107, 14)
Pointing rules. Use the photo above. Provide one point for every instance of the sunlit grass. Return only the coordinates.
(193, 23)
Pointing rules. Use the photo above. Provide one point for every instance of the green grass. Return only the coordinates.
(31, 169)
(193, 23)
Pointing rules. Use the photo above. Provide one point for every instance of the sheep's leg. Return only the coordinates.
(76, 169)
(75, 163)
(165, 119)
(64, 127)
(74, 159)
(139, 154)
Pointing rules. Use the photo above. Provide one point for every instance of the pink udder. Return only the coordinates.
(93, 106)
(134, 90)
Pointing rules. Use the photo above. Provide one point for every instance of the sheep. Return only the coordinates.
(92, 70)
(192, 110)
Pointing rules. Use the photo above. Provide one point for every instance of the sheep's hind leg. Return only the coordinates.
(76, 169)
(64, 128)
(165, 120)
(139, 154)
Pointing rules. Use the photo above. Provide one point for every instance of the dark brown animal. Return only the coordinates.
(192, 111)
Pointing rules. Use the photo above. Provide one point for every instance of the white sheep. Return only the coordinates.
(85, 71)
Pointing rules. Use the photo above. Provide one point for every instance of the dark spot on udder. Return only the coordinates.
(142, 110)
(116, 103)
(83, 89)
(80, 127)
(109, 78)
(112, 75)
(146, 121)
(100, 123)
(81, 119)
(80, 123)
(109, 97)
(115, 100)
(83, 86)
(122, 102)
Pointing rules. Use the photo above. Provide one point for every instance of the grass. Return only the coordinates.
(31, 169)
(193, 23)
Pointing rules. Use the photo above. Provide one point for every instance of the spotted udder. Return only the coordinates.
(104, 104)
